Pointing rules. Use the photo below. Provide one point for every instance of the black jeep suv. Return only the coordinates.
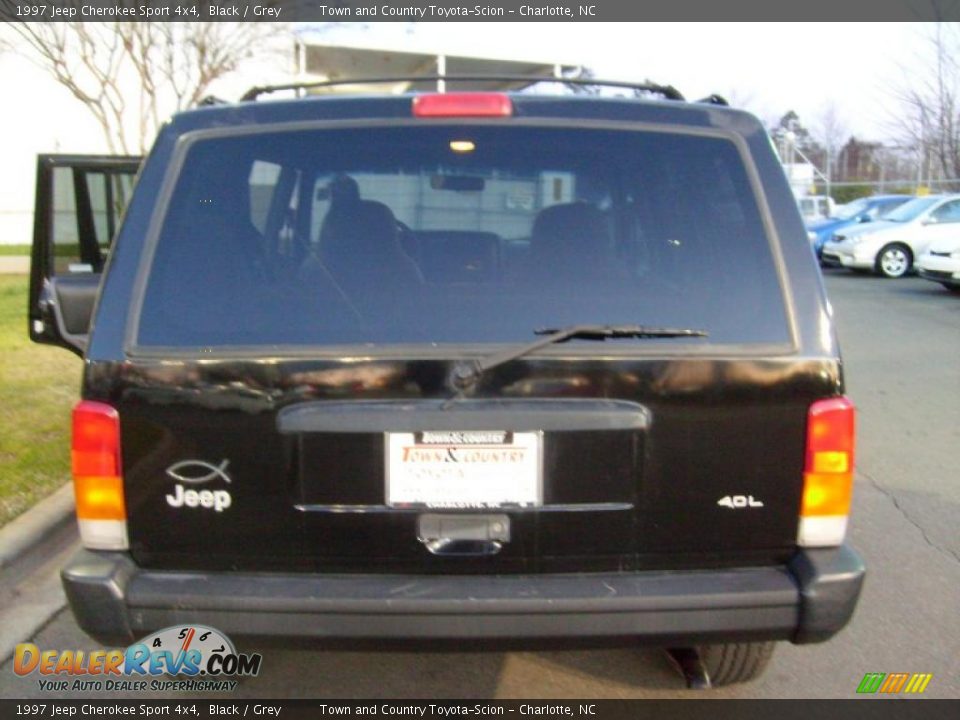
(470, 366)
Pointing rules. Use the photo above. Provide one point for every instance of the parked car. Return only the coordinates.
(889, 245)
(941, 263)
(465, 367)
(862, 210)
(815, 207)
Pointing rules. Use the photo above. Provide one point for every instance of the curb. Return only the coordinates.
(30, 528)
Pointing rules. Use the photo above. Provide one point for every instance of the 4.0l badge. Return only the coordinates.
(735, 502)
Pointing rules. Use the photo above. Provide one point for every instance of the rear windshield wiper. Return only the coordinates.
(467, 374)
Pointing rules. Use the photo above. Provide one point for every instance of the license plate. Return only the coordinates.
(464, 469)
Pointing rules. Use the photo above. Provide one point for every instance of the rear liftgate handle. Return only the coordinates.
(463, 535)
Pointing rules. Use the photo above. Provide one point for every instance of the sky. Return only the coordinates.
(766, 68)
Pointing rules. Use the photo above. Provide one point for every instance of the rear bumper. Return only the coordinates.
(839, 258)
(830, 258)
(940, 276)
(807, 600)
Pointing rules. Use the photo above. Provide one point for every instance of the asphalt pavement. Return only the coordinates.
(901, 345)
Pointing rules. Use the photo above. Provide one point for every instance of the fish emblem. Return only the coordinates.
(177, 471)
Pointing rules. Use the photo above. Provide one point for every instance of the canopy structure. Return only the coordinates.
(336, 61)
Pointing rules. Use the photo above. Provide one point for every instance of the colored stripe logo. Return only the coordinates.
(893, 683)
(918, 683)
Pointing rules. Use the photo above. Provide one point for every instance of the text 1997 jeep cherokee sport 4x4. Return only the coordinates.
(470, 366)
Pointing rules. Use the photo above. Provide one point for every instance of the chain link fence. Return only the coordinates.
(844, 192)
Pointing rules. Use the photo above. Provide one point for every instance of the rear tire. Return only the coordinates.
(951, 288)
(894, 260)
(735, 662)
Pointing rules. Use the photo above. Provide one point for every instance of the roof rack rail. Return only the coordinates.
(211, 100)
(667, 91)
(714, 99)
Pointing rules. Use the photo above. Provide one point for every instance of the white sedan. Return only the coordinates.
(941, 263)
(889, 246)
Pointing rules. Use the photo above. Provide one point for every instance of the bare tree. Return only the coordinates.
(929, 102)
(832, 132)
(741, 99)
(131, 75)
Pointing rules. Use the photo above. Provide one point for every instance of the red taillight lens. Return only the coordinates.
(828, 472)
(830, 436)
(96, 439)
(463, 105)
(95, 456)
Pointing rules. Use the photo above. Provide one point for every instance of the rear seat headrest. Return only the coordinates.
(570, 239)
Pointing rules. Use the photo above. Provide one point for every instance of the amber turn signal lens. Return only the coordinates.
(826, 494)
(99, 498)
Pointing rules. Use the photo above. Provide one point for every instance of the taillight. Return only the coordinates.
(828, 473)
(476, 104)
(97, 478)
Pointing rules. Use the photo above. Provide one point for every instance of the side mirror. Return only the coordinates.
(865, 218)
(930, 221)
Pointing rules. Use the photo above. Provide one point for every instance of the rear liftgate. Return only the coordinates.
(498, 480)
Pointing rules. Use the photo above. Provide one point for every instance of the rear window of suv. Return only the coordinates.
(457, 234)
